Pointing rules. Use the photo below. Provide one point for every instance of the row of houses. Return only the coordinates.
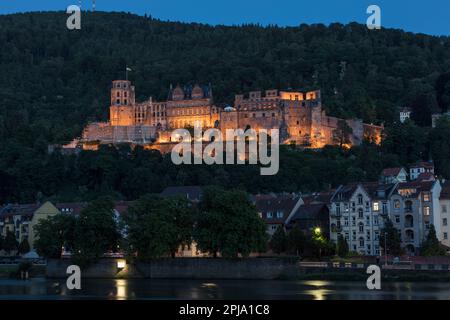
(357, 211)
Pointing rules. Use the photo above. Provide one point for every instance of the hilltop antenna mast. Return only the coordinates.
(79, 4)
(93, 5)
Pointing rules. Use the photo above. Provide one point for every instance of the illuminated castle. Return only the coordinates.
(298, 115)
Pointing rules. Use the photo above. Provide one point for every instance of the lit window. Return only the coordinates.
(426, 197)
(397, 204)
(376, 206)
(426, 211)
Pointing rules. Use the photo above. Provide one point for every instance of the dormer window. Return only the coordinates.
(269, 215)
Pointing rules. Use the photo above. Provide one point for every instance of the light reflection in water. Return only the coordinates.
(318, 293)
(121, 289)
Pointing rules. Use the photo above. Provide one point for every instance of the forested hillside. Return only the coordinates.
(53, 81)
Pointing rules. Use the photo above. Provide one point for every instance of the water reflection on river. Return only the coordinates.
(220, 289)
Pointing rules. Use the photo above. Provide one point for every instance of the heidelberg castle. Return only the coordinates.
(298, 115)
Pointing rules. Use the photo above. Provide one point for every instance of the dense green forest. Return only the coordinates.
(53, 81)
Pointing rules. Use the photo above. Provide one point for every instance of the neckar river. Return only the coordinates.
(223, 289)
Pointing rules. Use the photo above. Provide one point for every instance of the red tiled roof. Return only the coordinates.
(423, 164)
(426, 176)
(391, 171)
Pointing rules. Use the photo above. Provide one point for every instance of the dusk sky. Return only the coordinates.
(429, 16)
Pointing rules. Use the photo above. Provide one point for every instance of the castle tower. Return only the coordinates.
(122, 103)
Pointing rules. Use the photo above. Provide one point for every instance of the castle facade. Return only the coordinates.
(298, 115)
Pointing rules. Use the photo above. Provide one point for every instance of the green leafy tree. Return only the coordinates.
(24, 247)
(96, 231)
(296, 241)
(54, 233)
(342, 247)
(158, 226)
(440, 146)
(278, 242)
(431, 245)
(229, 223)
(390, 239)
(10, 243)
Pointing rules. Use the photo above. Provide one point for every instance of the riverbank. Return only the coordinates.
(239, 269)
(13, 271)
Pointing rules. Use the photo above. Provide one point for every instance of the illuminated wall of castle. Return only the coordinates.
(298, 115)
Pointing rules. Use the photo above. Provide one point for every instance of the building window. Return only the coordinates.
(360, 213)
(397, 219)
(367, 221)
(426, 197)
(125, 94)
(118, 94)
(408, 206)
(354, 236)
(125, 102)
(361, 242)
(273, 114)
(346, 221)
(444, 208)
(375, 220)
(396, 204)
(426, 211)
(338, 209)
(376, 206)
(118, 101)
(444, 221)
(360, 199)
(279, 214)
(269, 215)
(385, 210)
(361, 227)
(445, 235)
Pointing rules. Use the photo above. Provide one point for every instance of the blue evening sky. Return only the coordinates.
(425, 16)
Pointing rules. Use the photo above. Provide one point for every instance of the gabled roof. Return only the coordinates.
(417, 186)
(426, 176)
(275, 203)
(374, 190)
(47, 208)
(388, 172)
(309, 212)
(422, 164)
(10, 210)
